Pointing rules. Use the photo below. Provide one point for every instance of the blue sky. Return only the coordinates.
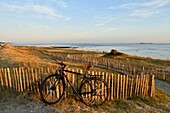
(88, 21)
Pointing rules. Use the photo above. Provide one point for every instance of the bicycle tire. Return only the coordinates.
(52, 89)
(94, 92)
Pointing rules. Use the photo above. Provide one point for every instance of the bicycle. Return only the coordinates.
(93, 91)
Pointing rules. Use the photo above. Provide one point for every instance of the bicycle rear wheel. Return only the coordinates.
(94, 92)
(52, 89)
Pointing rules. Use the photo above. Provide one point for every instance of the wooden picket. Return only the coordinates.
(120, 86)
(162, 74)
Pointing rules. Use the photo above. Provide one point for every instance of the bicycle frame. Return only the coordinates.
(93, 91)
(63, 75)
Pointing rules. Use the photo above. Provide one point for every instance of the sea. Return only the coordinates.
(152, 50)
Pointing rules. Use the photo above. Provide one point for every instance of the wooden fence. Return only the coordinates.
(162, 74)
(120, 86)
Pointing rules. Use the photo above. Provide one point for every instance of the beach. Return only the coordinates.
(152, 50)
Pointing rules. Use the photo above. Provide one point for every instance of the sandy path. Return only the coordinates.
(163, 85)
(12, 103)
(30, 107)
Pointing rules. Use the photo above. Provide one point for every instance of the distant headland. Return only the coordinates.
(145, 43)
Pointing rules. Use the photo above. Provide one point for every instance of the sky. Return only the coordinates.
(85, 21)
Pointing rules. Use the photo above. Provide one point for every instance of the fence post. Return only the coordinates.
(117, 96)
(9, 79)
(115, 86)
(36, 80)
(112, 86)
(120, 87)
(139, 81)
(109, 85)
(21, 80)
(123, 95)
(12, 79)
(143, 84)
(136, 86)
(27, 79)
(148, 82)
(131, 87)
(126, 88)
(152, 86)
(6, 79)
(1, 80)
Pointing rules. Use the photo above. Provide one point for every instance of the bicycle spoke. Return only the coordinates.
(94, 92)
(50, 92)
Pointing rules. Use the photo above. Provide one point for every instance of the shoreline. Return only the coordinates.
(138, 52)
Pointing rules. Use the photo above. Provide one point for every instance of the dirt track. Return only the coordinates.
(164, 86)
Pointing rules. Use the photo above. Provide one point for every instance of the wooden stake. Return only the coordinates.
(126, 90)
(1, 80)
(123, 89)
(117, 96)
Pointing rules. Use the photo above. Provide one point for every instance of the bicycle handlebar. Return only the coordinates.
(59, 62)
(87, 67)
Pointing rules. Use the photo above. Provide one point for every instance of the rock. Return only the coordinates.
(115, 52)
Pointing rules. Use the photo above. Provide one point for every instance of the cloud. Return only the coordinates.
(35, 9)
(144, 13)
(104, 20)
(44, 10)
(62, 4)
(155, 3)
(11, 7)
(143, 10)
(152, 3)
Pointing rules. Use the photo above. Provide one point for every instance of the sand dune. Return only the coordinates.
(21, 56)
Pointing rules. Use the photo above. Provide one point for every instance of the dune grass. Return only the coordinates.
(36, 56)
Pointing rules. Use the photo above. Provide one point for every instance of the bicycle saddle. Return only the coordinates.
(86, 66)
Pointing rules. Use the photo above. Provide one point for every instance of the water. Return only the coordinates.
(155, 50)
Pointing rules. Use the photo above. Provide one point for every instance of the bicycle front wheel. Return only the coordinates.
(52, 89)
(94, 92)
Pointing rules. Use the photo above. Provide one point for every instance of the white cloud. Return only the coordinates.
(129, 5)
(144, 13)
(46, 11)
(11, 7)
(143, 10)
(152, 3)
(62, 4)
(104, 20)
(155, 3)
(42, 10)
